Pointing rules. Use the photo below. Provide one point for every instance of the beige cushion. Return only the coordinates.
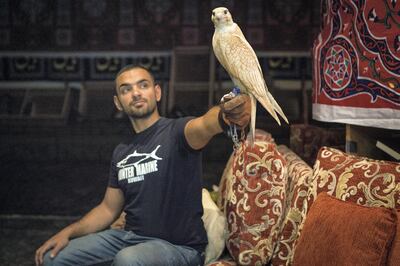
(215, 225)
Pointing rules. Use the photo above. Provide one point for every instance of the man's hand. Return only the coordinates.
(56, 243)
(237, 110)
(120, 222)
(96, 220)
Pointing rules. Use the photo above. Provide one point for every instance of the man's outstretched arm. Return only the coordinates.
(97, 219)
(200, 130)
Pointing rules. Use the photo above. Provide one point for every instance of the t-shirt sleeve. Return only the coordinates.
(180, 133)
(113, 173)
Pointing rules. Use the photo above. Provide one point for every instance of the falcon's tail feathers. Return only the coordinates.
(270, 107)
(277, 107)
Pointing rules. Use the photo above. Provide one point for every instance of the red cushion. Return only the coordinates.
(394, 254)
(344, 233)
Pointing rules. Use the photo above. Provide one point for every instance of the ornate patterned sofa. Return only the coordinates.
(266, 192)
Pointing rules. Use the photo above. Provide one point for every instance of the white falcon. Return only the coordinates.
(240, 61)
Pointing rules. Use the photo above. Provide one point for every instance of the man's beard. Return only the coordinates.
(142, 112)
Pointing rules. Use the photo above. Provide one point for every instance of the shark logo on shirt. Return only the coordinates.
(136, 165)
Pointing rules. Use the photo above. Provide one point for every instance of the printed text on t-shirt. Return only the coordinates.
(136, 165)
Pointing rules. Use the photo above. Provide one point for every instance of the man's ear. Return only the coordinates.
(117, 103)
(158, 92)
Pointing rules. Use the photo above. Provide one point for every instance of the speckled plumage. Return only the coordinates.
(240, 61)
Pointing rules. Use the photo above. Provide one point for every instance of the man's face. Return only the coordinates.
(137, 95)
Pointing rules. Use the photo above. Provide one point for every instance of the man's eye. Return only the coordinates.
(144, 85)
(125, 89)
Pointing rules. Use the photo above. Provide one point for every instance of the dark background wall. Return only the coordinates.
(53, 157)
(58, 125)
(92, 39)
(139, 25)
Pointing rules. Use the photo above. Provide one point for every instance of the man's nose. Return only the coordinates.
(136, 91)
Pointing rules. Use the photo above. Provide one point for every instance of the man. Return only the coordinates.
(155, 179)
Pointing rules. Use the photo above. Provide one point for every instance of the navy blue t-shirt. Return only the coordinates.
(160, 177)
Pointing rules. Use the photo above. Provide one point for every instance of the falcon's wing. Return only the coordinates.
(240, 61)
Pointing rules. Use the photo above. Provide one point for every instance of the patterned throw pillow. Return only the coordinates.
(299, 177)
(254, 201)
(358, 179)
(225, 183)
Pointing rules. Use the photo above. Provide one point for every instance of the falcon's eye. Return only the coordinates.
(213, 13)
(225, 11)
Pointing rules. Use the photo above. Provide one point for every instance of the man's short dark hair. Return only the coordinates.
(130, 67)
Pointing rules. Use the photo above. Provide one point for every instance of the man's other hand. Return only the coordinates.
(120, 222)
(56, 243)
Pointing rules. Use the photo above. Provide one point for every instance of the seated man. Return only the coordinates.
(155, 179)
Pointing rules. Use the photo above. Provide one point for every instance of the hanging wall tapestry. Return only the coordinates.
(356, 63)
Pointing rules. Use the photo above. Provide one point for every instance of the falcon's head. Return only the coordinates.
(221, 16)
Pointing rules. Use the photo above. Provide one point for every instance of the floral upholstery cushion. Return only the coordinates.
(253, 196)
(299, 177)
(297, 170)
(225, 184)
(358, 179)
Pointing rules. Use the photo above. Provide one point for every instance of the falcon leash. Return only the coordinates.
(233, 131)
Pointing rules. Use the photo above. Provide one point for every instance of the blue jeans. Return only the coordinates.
(121, 247)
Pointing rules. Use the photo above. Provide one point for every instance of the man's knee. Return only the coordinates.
(144, 254)
(48, 261)
(155, 253)
(127, 257)
(61, 259)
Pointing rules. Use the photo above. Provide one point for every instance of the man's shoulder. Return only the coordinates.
(168, 120)
(175, 122)
(181, 120)
(120, 148)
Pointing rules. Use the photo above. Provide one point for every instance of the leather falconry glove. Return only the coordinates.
(236, 110)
